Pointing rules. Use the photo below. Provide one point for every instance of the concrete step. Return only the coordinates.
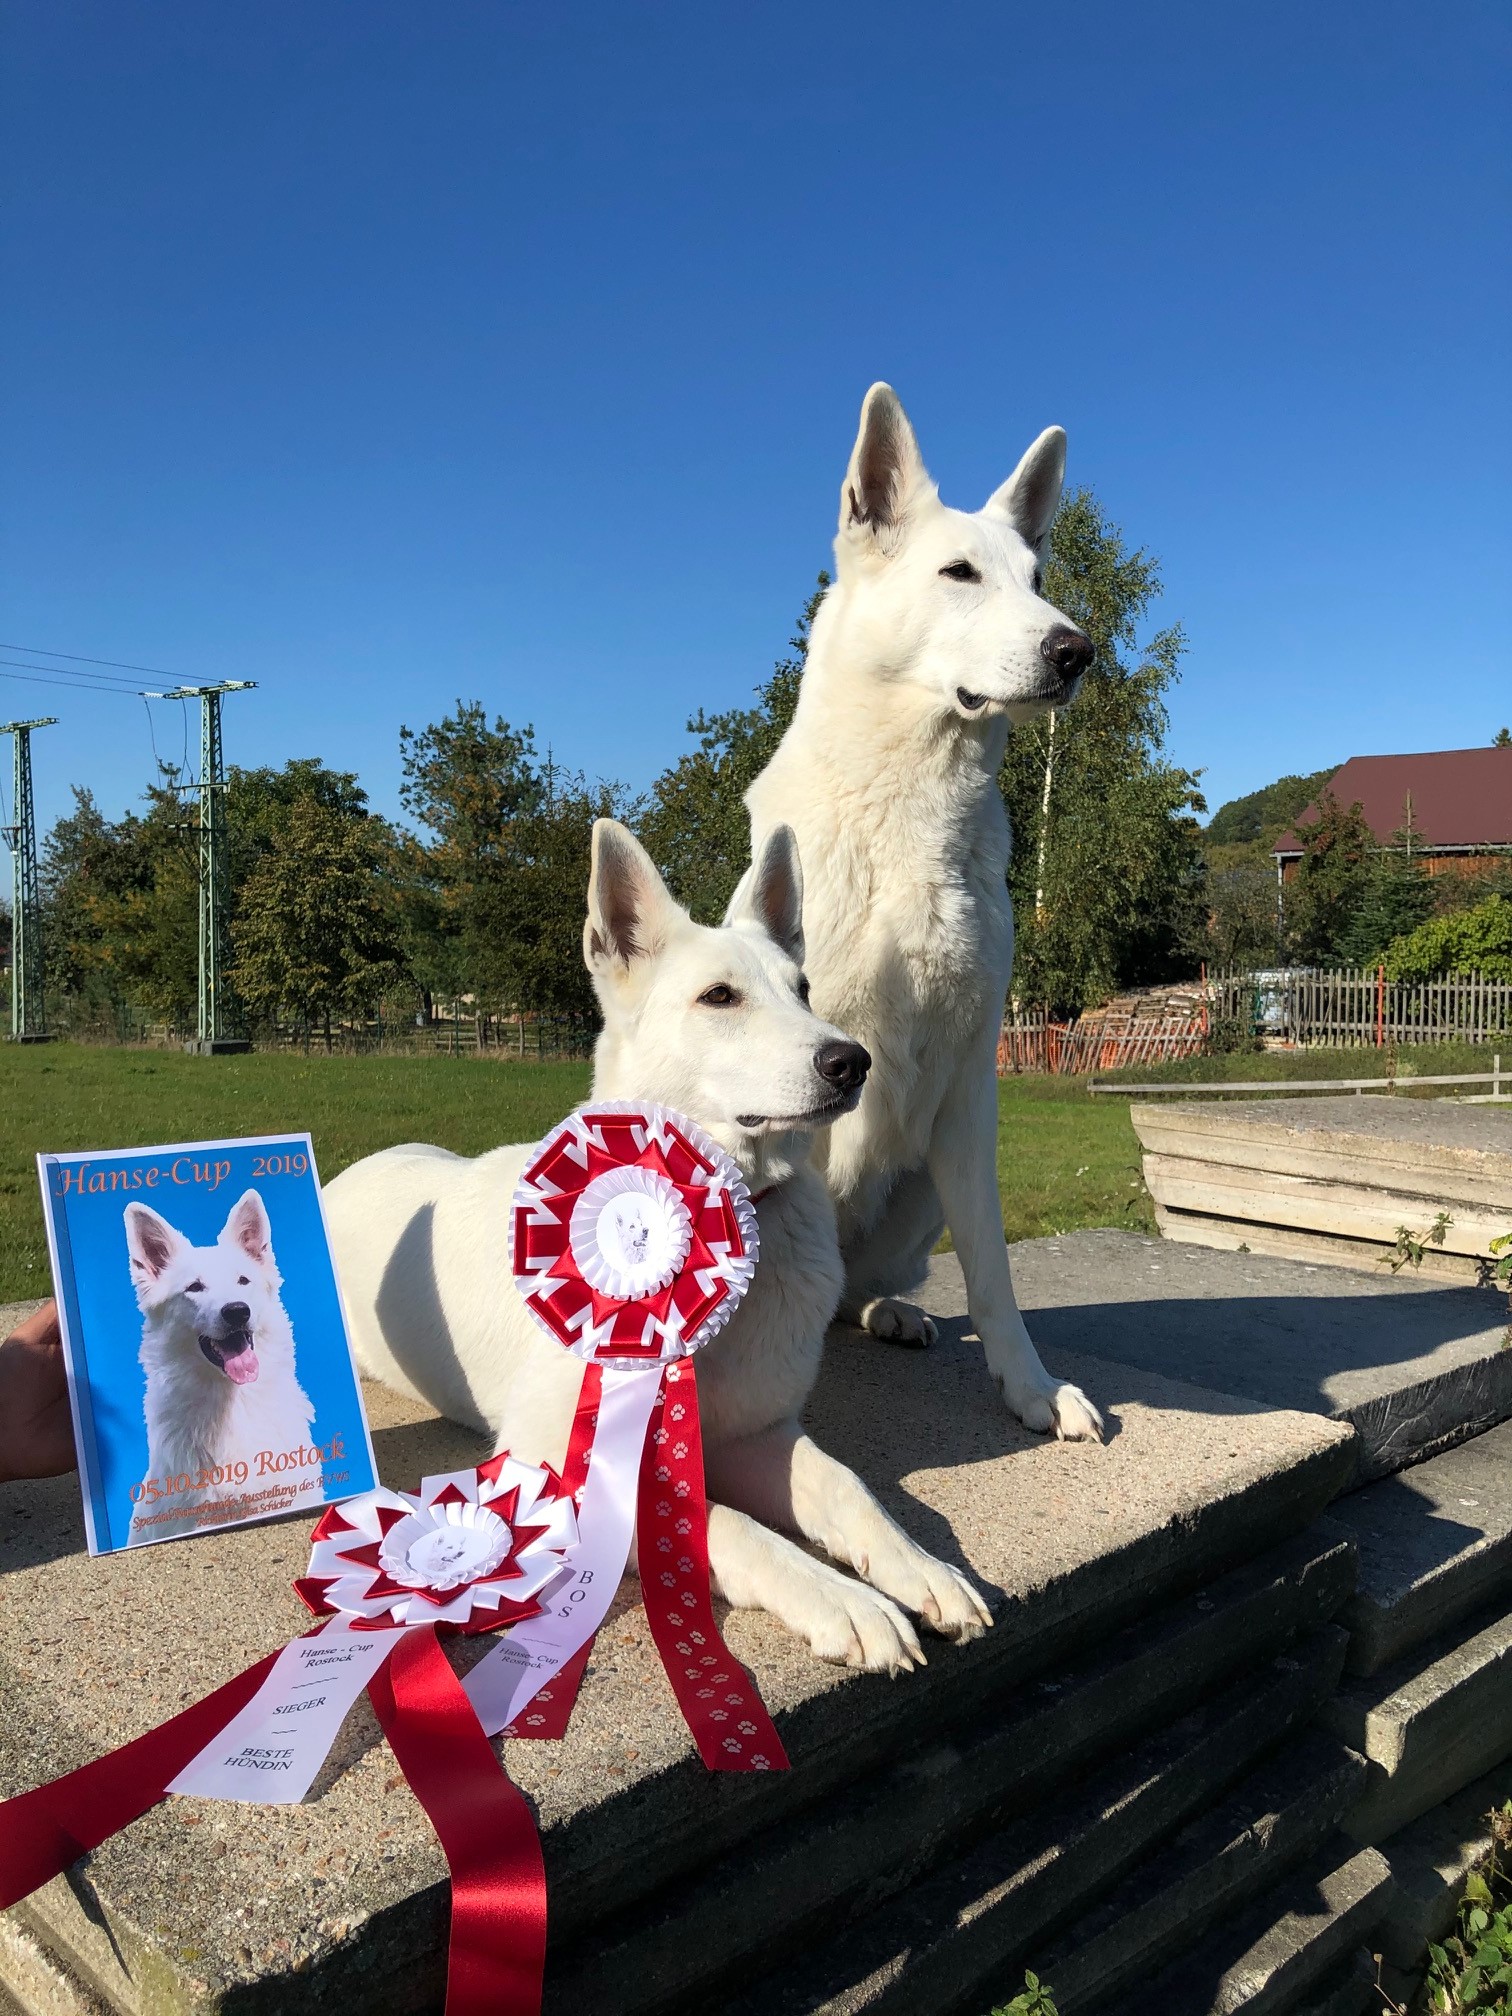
(799, 1879)
(1435, 1545)
(1237, 1848)
(1338, 1175)
(1349, 1991)
(341, 1902)
(1430, 1860)
(1273, 1958)
(956, 1935)
(1411, 1366)
(1429, 1724)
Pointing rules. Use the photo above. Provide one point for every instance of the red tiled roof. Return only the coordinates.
(1460, 797)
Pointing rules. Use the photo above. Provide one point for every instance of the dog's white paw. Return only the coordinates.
(898, 1322)
(1049, 1408)
(939, 1594)
(852, 1625)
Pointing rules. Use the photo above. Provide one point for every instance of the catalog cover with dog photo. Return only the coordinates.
(209, 1366)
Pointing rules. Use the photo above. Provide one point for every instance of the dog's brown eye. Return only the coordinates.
(803, 988)
(1039, 581)
(241, 1281)
(961, 570)
(718, 996)
(195, 1288)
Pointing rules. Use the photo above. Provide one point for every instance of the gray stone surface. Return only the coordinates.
(341, 1902)
(1238, 1847)
(1412, 1134)
(795, 1881)
(1435, 1545)
(34, 1982)
(959, 1934)
(1270, 1959)
(1429, 1725)
(1431, 1859)
(1350, 1991)
(1335, 1176)
(1413, 1367)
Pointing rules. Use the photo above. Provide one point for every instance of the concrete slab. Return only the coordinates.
(794, 1882)
(1435, 1545)
(1344, 1171)
(33, 1982)
(1428, 1725)
(956, 1936)
(1351, 1991)
(1270, 1959)
(1431, 1859)
(1414, 1368)
(342, 1902)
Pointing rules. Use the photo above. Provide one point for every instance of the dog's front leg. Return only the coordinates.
(841, 1620)
(783, 1477)
(963, 1163)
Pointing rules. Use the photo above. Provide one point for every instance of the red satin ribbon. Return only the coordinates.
(716, 1694)
(497, 1954)
(44, 1832)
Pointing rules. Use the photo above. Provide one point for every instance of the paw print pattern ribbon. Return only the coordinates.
(470, 1551)
(632, 1238)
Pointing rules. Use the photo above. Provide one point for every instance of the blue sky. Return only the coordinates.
(386, 353)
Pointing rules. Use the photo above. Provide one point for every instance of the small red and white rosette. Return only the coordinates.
(475, 1549)
(632, 1238)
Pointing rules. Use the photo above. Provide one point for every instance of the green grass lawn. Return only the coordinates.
(1064, 1160)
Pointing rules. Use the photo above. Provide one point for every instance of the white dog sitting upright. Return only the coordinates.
(714, 1023)
(933, 639)
(219, 1357)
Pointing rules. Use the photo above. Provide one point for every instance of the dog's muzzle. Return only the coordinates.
(232, 1354)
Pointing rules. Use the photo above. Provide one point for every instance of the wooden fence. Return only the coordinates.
(1356, 1007)
(1353, 1008)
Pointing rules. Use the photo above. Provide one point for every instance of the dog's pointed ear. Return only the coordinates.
(770, 893)
(629, 910)
(886, 479)
(247, 1227)
(1031, 497)
(151, 1244)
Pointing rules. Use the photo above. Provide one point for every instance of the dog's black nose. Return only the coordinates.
(843, 1065)
(234, 1315)
(1066, 651)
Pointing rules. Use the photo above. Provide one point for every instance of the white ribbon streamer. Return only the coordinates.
(271, 1751)
(504, 1682)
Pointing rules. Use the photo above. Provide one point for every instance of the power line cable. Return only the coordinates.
(37, 651)
(67, 672)
(74, 684)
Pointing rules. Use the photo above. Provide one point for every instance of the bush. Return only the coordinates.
(1466, 941)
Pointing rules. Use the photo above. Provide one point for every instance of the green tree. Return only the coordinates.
(696, 827)
(1241, 928)
(1264, 815)
(1329, 886)
(466, 782)
(316, 931)
(1501, 738)
(1107, 874)
(1466, 941)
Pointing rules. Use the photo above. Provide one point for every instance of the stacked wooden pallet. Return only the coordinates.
(1333, 1179)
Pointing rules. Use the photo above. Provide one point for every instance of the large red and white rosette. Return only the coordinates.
(632, 1238)
(473, 1550)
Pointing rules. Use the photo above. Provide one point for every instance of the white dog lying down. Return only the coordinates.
(716, 1024)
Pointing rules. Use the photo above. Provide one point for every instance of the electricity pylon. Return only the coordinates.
(214, 858)
(28, 1005)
